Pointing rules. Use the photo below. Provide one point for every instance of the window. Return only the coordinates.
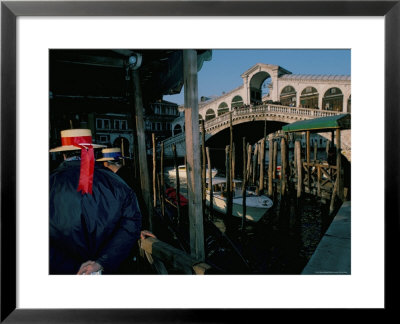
(116, 124)
(103, 139)
(124, 125)
(102, 123)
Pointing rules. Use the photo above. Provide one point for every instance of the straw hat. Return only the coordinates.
(74, 139)
(111, 154)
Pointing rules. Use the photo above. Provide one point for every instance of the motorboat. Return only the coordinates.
(182, 172)
(256, 205)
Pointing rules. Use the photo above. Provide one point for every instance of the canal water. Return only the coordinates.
(283, 240)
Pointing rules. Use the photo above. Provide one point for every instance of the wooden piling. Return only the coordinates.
(315, 151)
(203, 168)
(274, 159)
(299, 168)
(123, 151)
(255, 160)
(142, 152)
(308, 160)
(210, 188)
(244, 184)
(283, 166)
(153, 136)
(262, 165)
(248, 168)
(339, 165)
(233, 162)
(228, 183)
(195, 205)
(162, 184)
(230, 147)
(270, 165)
(177, 189)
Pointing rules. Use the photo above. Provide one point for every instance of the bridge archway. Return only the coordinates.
(210, 114)
(333, 100)
(177, 129)
(309, 98)
(237, 102)
(222, 108)
(257, 82)
(288, 96)
(218, 141)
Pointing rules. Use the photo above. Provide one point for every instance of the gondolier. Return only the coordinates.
(94, 215)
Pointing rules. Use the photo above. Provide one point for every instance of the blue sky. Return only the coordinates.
(222, 73)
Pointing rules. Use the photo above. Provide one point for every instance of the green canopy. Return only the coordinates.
(322, 124)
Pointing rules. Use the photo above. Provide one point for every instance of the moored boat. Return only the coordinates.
(256, 206)
(182, 172)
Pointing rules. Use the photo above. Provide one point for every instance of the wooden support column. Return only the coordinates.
(230, 148)
(210, 187)
(203, 166)
(192, 132)
(299, 167)
(262, 165)
(153, 138)
(142, 154)
(283, 166)
(270, 165)
(339, 165)
(162, 185)
(228, 183)
(244, 184)
(308, 160)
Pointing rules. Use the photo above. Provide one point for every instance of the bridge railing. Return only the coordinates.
(296, 111)
(174, 139)
(306, 112)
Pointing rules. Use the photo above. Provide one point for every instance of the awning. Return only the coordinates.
(322, 124)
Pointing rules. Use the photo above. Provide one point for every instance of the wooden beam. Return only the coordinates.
(142, 154)
(193, 154)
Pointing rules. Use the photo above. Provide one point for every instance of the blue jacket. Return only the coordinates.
(101, 227)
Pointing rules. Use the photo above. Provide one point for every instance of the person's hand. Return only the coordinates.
(145, 233)
(88, 267)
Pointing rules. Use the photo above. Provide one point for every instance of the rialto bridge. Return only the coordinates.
(291, 98)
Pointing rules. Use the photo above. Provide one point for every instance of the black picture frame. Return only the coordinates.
(10, 10)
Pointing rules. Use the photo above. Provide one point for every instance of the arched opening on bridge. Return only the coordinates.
(309, 98)
(237, 102)
(177, 129)
(349, 104)
(123, 144)
(200, 119)
(288, 96)
(223, 108)
(260, 85)
(210, 114)
(333, 100)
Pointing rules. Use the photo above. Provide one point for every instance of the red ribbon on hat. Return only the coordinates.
(87, 161)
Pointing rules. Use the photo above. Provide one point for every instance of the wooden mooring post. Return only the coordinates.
(299, 168)
(195, 205)
(142, 153)
(244, 185)
(262, 165)
(203, 166)
(153, 136)
(248, 168)
(283, 166)
(228, 182)
(270, 166)
(210, 187)
(162, 184)
(178, 187)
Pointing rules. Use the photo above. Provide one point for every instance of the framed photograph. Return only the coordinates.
(29, 29)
